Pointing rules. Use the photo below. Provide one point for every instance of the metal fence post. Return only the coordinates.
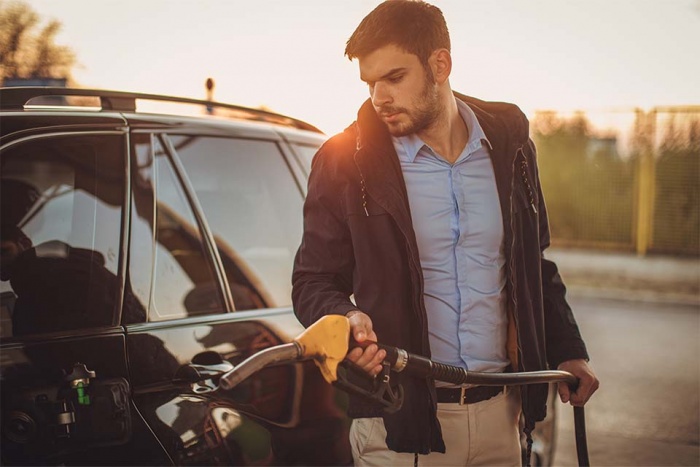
(646, 184)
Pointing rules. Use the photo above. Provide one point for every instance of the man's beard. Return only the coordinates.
(425, 112)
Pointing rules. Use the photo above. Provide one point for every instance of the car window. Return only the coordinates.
(184, 281)
(61, 222)
(254, 208)
(306, 154)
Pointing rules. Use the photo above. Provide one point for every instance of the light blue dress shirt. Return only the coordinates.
(458, 223)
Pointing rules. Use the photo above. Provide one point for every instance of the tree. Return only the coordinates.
(28, 52)
(677, 200)
(587, 185)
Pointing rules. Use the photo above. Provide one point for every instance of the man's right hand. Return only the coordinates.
(370, 358)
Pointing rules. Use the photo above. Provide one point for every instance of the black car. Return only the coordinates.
(143, 256)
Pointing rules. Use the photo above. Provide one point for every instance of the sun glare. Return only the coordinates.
(288, 56)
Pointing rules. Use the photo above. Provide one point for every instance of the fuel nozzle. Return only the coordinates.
(79, 379)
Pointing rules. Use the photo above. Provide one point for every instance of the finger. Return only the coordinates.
(586, 389)
(361, 327)
(583, 392)
(578, 399)
(366, 360)
(355, 354)
(564, 392)
(376, 363)
(360, 334)
(371, 360)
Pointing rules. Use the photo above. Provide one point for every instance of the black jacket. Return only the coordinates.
(359, 239)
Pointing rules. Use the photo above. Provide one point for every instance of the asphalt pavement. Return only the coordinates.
(647, 409)
(639, 317)
(627, 276)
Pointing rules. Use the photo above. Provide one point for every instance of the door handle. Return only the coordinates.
(207, 365)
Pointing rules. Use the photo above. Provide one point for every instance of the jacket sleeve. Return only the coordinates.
(323, 267)
(563, 338)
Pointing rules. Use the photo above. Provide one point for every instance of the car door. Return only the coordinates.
(215, 224)
(64, 380)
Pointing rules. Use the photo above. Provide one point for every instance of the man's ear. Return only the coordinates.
(440, 62)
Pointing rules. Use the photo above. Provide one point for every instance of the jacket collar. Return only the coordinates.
(379, 165)
(380, 172)
(371, 130)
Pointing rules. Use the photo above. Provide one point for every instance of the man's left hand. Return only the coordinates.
(588, 383)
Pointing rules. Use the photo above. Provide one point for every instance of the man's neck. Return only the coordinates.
(448, 135)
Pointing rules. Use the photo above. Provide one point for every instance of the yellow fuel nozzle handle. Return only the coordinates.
(326, 342)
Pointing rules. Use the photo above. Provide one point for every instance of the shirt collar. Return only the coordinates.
(476, 133)
(412, 144)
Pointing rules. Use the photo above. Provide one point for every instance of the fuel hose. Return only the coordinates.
(327, 342)
(421, 367)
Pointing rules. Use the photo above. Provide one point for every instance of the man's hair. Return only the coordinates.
(414, 26)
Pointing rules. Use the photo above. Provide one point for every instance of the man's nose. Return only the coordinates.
(380, 95)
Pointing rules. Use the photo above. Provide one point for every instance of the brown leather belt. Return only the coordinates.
(467, 395)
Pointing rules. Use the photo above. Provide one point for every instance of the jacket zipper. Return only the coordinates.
(511, 272)
(526, 181)
(362, 177)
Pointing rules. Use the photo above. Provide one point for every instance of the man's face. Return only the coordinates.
(402, 91)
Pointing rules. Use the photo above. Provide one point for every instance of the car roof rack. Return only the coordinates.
(16, 98)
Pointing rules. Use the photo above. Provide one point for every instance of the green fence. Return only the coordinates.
(622, 180)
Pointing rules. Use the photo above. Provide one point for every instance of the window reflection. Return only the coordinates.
(254, 209)
(61, 212)
(184, 282)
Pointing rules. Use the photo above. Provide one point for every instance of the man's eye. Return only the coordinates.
(395, 79)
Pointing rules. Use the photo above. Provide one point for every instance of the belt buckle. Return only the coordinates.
(462, 395)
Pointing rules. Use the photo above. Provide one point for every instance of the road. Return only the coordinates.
(647, 410)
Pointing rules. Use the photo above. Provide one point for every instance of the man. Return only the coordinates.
(17, 198)
(429, 210)
(56, 286)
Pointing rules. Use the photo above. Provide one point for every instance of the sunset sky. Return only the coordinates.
(288, 55)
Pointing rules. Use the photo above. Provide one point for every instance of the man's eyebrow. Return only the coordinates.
(386, 75)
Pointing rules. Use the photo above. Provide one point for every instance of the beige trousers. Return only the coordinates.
(485, 433)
